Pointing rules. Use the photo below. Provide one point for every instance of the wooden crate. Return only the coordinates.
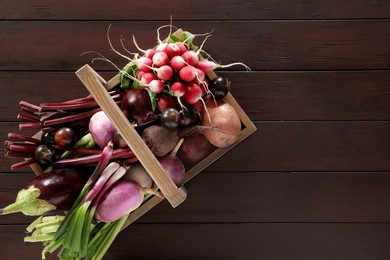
(98, 88)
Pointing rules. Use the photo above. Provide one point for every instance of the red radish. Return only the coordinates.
(178, 89)
(182, 47)
(193, 93)
(191, 57)
(172, 50)
(147, 77)
(156, 86)
(200, 77)
(188, 73)
(160, 58)
(149, 53)
(164, 72)
(198, 106)
(144, 64)
(177, 62)
(164, 102)
(206, 65)
(140, 74)
(162, 46)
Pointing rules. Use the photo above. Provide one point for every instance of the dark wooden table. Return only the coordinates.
(312, 183)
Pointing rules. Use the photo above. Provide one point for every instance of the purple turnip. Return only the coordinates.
(121, 198)
(173, 166)
(101, 129)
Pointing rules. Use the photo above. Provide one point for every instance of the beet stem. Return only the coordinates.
(21, 137)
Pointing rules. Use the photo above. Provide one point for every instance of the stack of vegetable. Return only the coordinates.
(91, 180)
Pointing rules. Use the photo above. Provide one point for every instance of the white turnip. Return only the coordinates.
(138, 173)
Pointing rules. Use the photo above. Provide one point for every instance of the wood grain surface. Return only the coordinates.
(311, 183)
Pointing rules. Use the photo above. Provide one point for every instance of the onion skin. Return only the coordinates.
(225, 125)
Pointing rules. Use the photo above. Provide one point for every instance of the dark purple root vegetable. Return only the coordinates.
(137, 106)
(160, 139)
(56, 190)
(194, 148)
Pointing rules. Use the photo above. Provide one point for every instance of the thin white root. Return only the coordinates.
(136, 45)
(234, 64)
(103, 58)
(207, 111)
(112, 47)
(161, 27)
(201, 46)
(124, 47)
(208, 56)
(181, 104)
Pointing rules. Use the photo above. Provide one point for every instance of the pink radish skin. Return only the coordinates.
(147, 77)
(160, 58)
(144, 64)
(101, 129)
(121, 198)
(182, 47)
(162, 47)
(140, 74)
(172, 50)
(177, 62)
(178, 89)
(149, 53)
(188, 73)
(200, 77)
(193, 93)
(164, 102)
(156, 86)
(164, 72)
(191, 57)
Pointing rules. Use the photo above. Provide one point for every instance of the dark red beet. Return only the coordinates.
(137, 106)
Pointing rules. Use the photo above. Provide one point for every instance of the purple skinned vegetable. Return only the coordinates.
(123, 197)
(101, 129)
(173, 166)
(56, 190)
